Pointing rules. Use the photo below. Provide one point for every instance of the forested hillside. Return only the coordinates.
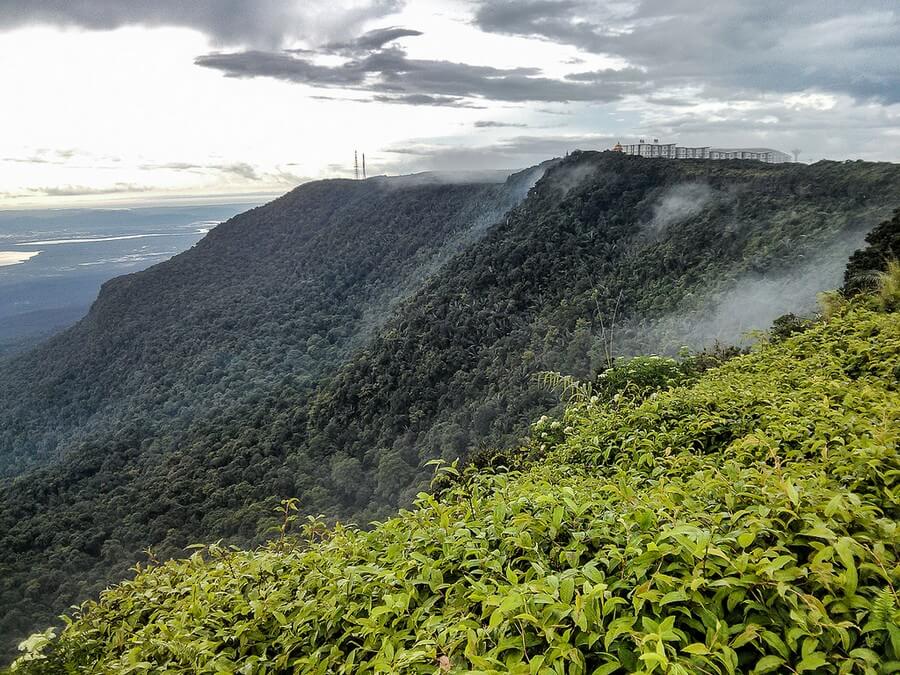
(329, 344)
(745, 522)
(282, 291)
(609, 256)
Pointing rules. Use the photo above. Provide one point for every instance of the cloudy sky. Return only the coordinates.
(108, 101)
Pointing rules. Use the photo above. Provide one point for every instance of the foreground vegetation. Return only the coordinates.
(745, 521)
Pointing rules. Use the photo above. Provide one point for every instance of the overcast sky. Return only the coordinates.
(110, 101)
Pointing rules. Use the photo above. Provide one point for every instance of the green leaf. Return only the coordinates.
(767, 664)
(776, 643)
(673, 596)
(812, 662)
(843, 548)
(696, 648)
(607, 668)
(792, 493)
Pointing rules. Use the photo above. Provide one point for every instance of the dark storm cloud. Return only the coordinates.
(374, 39)
(842, 46)
(265, 23)
(389, 72)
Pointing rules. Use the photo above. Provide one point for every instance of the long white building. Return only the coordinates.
(673, 151)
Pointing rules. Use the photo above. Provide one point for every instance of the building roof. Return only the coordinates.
(746, 150)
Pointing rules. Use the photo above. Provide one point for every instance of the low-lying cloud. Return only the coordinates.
(749, 303)
(568, 178)
(679, 203)
(517, 152)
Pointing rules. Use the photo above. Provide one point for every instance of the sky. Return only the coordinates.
(128, 101)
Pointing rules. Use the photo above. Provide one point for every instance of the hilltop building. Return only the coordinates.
(673, 151)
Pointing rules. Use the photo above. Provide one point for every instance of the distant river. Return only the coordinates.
(52, 263)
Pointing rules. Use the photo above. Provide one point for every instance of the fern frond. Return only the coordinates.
(569, 389)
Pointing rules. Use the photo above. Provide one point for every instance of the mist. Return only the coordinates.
(444, 178)
(679, 203)
(569, 177)
(749, 303)
(475, 220)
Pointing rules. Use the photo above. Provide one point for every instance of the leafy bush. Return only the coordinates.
(883, 245)
(638, 376)
(888, 295)
(746, 522)
(786, 325)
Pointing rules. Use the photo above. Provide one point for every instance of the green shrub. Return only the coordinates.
(888, 295)
(639, 376)
(743, 523)
(787, 325)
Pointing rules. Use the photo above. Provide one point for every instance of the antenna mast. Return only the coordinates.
(355, 165)
(364, 166)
